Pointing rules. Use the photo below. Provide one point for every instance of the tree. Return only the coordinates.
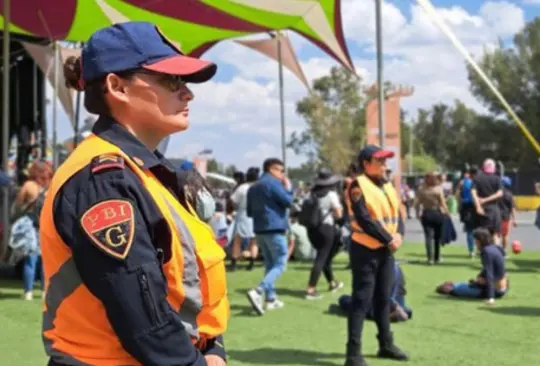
(420, 164)
(515, 71)
(335, 118)
(212, 165)
(447, 133)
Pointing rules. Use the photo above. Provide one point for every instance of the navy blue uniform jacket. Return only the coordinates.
(148, 328)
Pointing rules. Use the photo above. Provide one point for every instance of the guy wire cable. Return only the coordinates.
(437, 19)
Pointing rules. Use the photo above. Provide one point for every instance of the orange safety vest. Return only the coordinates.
(76, 330)
(383, 205)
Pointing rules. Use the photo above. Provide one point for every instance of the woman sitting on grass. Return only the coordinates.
(492, 281)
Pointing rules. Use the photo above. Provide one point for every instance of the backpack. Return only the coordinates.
(310, 215)
(23, 239)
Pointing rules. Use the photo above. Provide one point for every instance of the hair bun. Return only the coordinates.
(72, 72)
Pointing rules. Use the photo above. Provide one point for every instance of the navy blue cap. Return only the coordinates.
(135, 45)
(374, 151)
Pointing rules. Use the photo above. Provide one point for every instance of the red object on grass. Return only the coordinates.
(516, 246)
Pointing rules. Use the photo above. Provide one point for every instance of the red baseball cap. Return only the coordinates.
(133, 45)
(374, 151)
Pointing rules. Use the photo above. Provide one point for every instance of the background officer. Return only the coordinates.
(374, 211)
(133, 276)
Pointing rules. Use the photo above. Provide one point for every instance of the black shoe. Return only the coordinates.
(250, 265)
(232, 266)
(387, 349)
(356, 361)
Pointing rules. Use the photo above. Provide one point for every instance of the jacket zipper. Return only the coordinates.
(149, 299)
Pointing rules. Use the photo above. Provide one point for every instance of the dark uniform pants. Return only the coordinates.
(372, 280)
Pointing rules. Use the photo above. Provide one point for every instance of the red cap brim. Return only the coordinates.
(383, 154)
(193, 70)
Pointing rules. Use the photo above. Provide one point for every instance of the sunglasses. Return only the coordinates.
(172, 83)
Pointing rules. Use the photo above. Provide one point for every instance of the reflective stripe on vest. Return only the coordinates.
(383, 206)
(61, 285)
(193, 298)
(82, 335)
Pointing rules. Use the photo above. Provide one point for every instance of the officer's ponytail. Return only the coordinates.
(72, 73)
(94, 91)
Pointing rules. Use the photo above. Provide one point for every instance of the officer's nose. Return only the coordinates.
(186, 95)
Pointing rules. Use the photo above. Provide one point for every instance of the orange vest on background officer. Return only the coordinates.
(374, 214)
(132, 275)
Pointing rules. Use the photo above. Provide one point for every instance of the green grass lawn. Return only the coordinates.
(443, 331)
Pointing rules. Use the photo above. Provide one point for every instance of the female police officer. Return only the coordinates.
(374, 214)
(132, 275)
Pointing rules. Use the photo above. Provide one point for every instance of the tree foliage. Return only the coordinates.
(515, 71)
(335, 118)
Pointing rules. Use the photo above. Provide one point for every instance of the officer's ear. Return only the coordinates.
(116, 87)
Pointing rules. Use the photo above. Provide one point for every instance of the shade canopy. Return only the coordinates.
(196, 25)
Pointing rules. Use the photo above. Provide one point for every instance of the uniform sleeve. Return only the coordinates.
(216, 347)
(362, 216)
(126, 276)
(487, 271)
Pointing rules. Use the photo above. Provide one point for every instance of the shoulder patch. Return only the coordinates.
(111, 225)
(106, 162)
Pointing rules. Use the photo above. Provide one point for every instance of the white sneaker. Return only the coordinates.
(256, 301)
(28, 296)
(276, 304)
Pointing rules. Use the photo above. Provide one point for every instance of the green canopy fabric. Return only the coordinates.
(196, 25)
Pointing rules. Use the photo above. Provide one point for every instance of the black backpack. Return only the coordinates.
(311, 216)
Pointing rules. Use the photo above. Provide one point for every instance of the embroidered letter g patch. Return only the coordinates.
(110, 225)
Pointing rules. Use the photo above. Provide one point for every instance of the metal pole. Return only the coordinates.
(77, 119)
(380, 78)
(281, 103)
(411, 154)
(55, 105)
(5, 124)
(78, 116)
(501, 167)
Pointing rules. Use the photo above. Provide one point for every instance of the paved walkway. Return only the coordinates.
(526, 232)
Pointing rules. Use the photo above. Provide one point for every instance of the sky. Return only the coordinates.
(237, 113)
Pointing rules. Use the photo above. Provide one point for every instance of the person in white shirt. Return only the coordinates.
(244, 223)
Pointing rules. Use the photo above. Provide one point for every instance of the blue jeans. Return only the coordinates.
(274, 250)
(32, 264)
(463, 289)
(470, 241)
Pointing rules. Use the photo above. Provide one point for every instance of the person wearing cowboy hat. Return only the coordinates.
(374, 211)
(324, 208)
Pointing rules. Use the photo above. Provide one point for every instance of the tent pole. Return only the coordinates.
(55, 106)
(380, 77)
(77, 116)
(281, 102)
(5, 124)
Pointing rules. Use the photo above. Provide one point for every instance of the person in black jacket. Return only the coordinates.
(374, 211)
(491, 282)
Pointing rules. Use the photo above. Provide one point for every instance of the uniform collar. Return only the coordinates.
(378, 181)
(110, 130)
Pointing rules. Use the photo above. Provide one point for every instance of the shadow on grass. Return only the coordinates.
(298, 293)
(10, 295)
(453, 298)
(454, 256)
(276, 356)
(243, 311)
(423, 263)
(11, 284)
(526, 266)
(514, 310)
